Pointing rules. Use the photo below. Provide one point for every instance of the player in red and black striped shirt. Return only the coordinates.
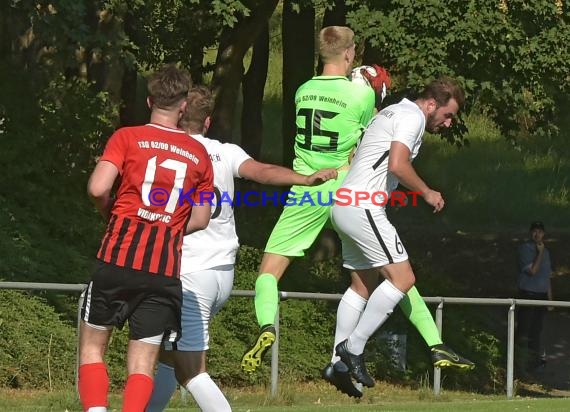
(161, 172)
(159, 166)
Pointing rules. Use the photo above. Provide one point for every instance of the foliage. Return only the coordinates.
(116, 358)
(98, 40)
(511, 56)
(297, 5)
(48, 149)
(36, 347)
(177, 30)
(70, 139)
(314, 321)
(65, 36)
(301, 322)
(22, 316)
(492, 185)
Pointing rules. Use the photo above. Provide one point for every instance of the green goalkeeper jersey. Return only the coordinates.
(331, 113)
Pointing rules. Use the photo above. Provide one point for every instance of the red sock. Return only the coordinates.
(137, 392)
(93, 385)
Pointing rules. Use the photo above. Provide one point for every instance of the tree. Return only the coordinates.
(228, 74)
(511, 56)
(298, 28)
(253, 86)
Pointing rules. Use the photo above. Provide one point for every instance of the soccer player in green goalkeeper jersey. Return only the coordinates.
(331, 115)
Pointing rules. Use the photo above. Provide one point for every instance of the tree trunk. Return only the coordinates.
(229, 66)
(5, 34)
(252, 90)
(333, 17)
(128, 109)
(15, 33)
(196, 69)
(298, 67)
(113, 64)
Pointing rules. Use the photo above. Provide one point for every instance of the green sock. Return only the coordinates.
(417, 312)
(266, 299)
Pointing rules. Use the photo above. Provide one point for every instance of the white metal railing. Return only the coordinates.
(440, 301)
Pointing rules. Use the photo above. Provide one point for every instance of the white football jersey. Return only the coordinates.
(402, 122)
(217, 244)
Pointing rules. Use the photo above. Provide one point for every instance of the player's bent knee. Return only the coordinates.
(404, 282)
(184, 376)
(187, 365)
(274, 264)
(402, 277)
(408, 284)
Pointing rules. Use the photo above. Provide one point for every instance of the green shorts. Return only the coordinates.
(300, 223)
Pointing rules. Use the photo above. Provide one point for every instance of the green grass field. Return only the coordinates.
(307, 397)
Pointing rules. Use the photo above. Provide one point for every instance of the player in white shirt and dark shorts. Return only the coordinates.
(208, 257)
(370, 243)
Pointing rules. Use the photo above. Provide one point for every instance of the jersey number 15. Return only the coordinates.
(312, 128)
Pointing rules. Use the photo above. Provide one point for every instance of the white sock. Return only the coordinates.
(97, 409)
(380, 305)
(164, 386)
(348, 313)
(207, 394)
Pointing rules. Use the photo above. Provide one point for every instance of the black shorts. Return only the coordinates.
(150, 302)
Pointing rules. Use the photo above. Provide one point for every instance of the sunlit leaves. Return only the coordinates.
(512, 55)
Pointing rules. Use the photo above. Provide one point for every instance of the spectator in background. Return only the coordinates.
(535, 270)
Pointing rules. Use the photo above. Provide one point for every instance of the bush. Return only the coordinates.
(307, 334)
(37, 348)
(519, 89)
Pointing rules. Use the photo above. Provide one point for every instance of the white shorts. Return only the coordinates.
(368, 238)
(204, 293)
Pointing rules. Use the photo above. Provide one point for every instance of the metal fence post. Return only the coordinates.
(79, 306)
(510, 350)
(437, 371)
(275, 358)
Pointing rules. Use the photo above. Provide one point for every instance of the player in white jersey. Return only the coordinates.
(370, 244)
(207, 268)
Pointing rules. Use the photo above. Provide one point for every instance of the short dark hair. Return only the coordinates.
(200, 106)
(168, 86)
(537, 224)
(442, 90)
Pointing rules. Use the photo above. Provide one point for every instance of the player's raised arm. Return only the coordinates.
(400, 166)
(100, 185)
(269, 174)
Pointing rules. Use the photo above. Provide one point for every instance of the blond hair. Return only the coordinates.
(200, 105)
(333, 41)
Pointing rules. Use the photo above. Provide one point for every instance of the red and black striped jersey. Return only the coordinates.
(162, 173)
